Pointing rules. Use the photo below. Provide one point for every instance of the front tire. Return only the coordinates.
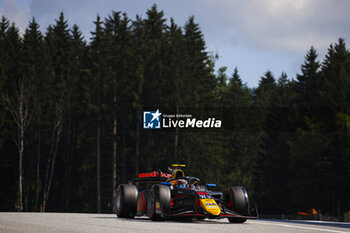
(126, 201)
(238, 201)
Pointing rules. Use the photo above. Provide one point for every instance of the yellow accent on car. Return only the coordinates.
(210, 206)
(178, 165)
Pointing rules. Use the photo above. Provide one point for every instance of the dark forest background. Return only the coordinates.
(71, 118)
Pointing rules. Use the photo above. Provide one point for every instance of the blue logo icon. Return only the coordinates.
(151, 119)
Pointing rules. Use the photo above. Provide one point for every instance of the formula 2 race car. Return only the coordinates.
(178, 196)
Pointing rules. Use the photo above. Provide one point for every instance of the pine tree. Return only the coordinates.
(75, 111)
(155, 55)
(175, 69)
(58, 41)
(334, 94)
(121, 58)
(4, 24)
(155, 81)
(34, 65)
(334, 75)
(100, 94)
(222, 77)
(198, 70)
(138, 45)
(240, 159)
(175, 65)
(96, 46)
(307, 85)
(263, 100)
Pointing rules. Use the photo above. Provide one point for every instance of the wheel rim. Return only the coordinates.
(246, 199)
(117, 203)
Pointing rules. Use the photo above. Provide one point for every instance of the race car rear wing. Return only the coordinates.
(151, 176)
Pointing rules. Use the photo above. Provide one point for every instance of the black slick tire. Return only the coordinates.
(126, 201)
(238, 201)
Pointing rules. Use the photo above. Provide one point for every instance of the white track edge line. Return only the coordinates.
(302, 227)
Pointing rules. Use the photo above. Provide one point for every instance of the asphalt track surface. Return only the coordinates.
(66, 222)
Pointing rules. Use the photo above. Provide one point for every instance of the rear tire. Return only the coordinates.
(238, 201)
(158, 194)
(126, 201)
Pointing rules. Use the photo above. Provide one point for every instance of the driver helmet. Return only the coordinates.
(182, 183)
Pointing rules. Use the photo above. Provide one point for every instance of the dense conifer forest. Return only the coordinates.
(71, 117)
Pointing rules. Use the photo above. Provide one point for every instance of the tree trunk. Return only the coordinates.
(50, 169)
(20, 170)
(22, 109)
(21, 149)
(123, 152)
(176, 137)
(114, 163)
(70, 166)
(38, 172)
(114, 151)
(47, 174)
(53, 164)
(98, 170)
(67, 161)
(137, 137)
(98, 175)
(56, 134)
